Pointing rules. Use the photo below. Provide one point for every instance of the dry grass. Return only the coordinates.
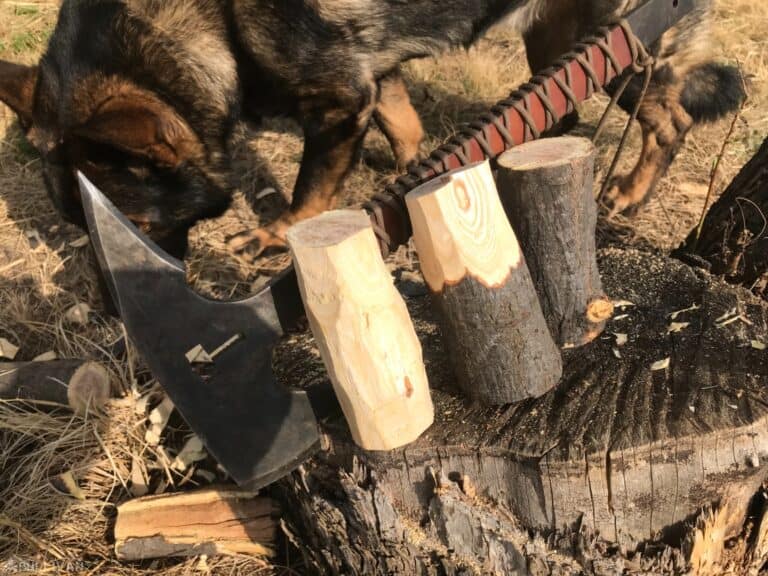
(40, 280)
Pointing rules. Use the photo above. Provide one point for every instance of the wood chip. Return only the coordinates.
(621, 317)
(692, 408)
(265, 192)
(78, 314)
(158, 419)
(81, 242)
(139, 485)
(727, 316)
(616, 352)
(621, 339)
(622, 303)
(8, 350)
(674, 315)
(33, 237)
(757, 345)
(193, 451)
(660, 364)
(675, 327)
(46, 357)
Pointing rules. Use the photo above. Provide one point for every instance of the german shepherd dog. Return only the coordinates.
(142, 96)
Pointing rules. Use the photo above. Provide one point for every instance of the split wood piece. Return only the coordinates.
(210, 522)
(495, 332)
(75, 383)
(617, 448)
(362, 328)
(546, 189)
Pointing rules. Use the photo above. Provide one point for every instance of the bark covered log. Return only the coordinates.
(493, 327)
(629, 445)
(546, 189)
(734, 235)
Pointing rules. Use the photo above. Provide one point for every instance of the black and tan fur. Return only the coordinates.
(142, 95)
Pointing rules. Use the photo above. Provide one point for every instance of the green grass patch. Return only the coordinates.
(26, 10)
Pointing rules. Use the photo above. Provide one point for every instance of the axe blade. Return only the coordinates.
(257, 429)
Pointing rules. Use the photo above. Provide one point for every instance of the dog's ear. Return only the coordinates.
(17, 88)
(141, 124)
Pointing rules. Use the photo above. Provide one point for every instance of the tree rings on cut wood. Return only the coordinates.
(546, 189)
(362, 328)
(491, 320)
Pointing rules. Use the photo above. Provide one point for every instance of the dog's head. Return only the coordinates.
(131, 143)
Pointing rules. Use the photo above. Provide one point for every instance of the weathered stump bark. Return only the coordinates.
(734, 236)
(546, 189)
(362, 328)
(628, 450)
(78, 384)
(493, 327)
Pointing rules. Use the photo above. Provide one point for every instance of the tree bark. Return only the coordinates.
(493, 327)
(628, 445)
(734, 236)
(546, 189)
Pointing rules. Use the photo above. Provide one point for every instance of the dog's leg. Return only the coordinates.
(665, 123)
(398, 120)
(333, 136)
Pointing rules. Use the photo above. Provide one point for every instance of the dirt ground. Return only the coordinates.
(45, 271)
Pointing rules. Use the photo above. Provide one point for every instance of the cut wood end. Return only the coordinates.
(89, 388)
(460, 229)
(328, 229)
(546, 153)
(599, 310)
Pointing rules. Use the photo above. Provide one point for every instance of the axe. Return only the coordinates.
(256, 428)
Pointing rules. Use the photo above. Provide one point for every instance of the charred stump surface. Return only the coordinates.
(634, 440)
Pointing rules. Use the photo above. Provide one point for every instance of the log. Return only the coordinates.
(210, 522)
(734, 234)
(75, 383)
(617, 448)
(362, 328)
(546, 189)
(494, 330)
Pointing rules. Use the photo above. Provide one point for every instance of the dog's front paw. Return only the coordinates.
(619, 197)
(250, 244)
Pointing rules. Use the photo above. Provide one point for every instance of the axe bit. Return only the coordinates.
(257, 429)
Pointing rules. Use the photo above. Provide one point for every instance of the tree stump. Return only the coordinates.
(362, 328)
(492, 323)
(734, 235)
(633, 441)
(546, 189)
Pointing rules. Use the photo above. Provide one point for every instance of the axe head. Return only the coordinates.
(257, 429)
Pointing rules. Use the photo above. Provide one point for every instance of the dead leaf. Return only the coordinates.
(677, 327)
(660, 364)
(78, 314)
(193, 451)
(674, 315)
(66, 484)
(621, 339)
(8, 350)
(46, 357)
(198, 355)
(81, 242)
(757, 345)
(158, 419)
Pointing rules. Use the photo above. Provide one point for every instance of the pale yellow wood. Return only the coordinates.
(460, 229)
(208, 521)
(362, 328)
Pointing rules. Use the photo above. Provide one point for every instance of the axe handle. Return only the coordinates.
(532, 109)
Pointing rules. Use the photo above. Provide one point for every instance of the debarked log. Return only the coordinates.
(662, 416)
